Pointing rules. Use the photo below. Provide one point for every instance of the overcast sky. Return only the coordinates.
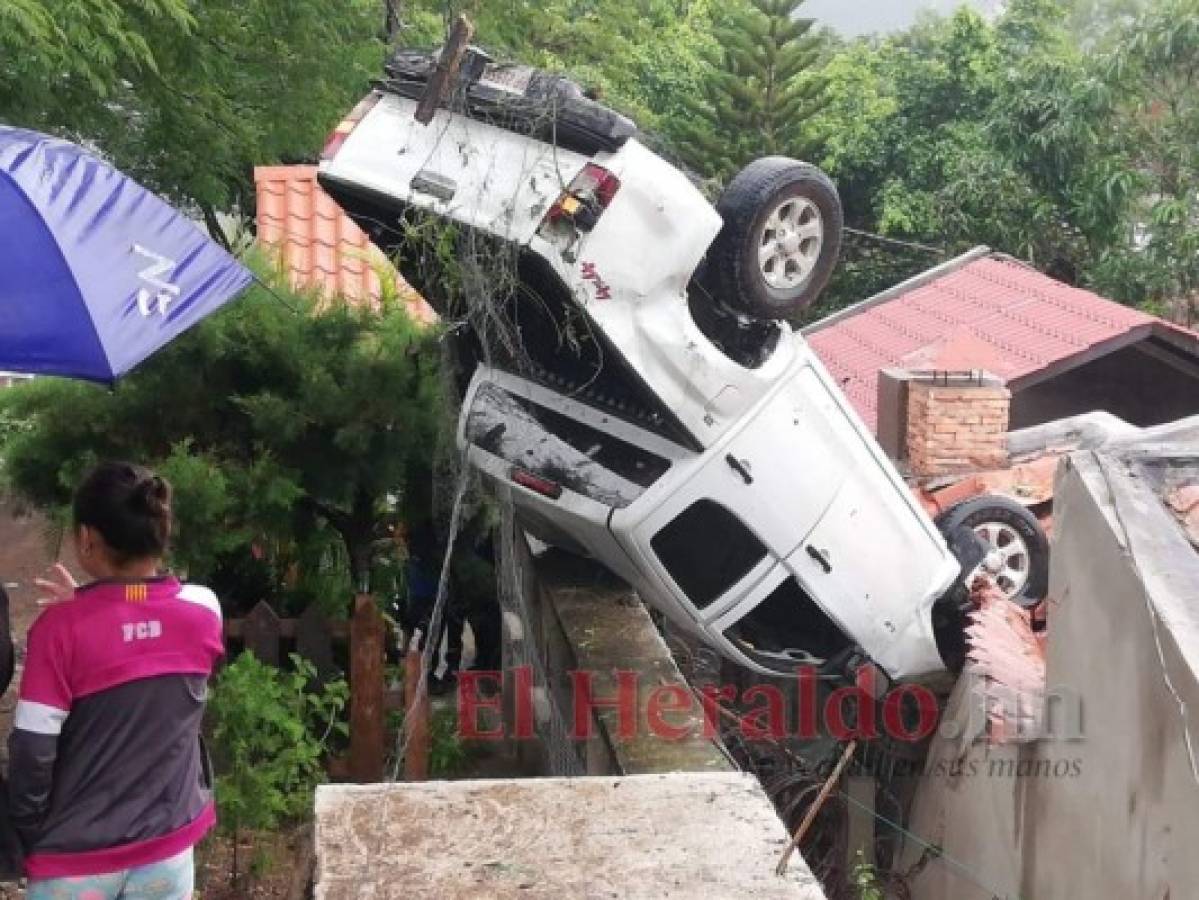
(853, 17)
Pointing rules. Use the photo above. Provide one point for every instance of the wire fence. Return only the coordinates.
(521, 648)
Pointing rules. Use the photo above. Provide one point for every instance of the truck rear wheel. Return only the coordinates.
(780, 240)
(1016, 551)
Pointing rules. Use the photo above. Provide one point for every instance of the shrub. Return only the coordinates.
(271, 731)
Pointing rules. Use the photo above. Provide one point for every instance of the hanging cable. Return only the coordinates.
(936, 852)
(895, 242)
(270, 290)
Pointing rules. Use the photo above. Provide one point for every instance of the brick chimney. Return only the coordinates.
(956, 422)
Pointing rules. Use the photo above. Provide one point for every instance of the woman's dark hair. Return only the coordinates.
(130, 506)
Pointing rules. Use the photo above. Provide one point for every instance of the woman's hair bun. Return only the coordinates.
(152, 494)
(129, 505)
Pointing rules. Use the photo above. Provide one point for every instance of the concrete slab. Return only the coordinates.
(1103, 805)
(695, 835)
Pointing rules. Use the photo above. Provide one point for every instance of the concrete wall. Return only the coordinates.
(675, 821)
(1115, 814)
(652, 837)
(564, 614)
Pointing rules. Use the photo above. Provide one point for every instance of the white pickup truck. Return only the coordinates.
(636, 386)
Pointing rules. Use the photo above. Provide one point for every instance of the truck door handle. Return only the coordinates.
(822, 557)
(739, 467)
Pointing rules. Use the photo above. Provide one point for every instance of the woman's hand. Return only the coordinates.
(59, 585)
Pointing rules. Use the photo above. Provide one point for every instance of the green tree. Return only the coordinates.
(904, 134)
(1154, 74)
(55, 53)
(294, 430)
(760, 92)
(188, 97)
(640, 56)
(1062, 133)
(962, 131)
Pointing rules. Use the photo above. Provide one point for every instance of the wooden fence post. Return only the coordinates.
(416, 720)
(260, 633)
(314, 642)
(367, 635)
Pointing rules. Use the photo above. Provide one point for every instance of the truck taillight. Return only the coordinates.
(585, 200)
(537, 484)
(339, 134)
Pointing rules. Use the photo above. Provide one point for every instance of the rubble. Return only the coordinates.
(1184, 501)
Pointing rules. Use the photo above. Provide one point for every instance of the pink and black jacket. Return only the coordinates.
(106, 770)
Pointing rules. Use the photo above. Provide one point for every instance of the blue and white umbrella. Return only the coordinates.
(96, 272)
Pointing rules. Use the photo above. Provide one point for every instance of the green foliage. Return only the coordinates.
(1155, 75)
(271, 732)
(82, 48)
(188, 97)
(865, 881)
(289, 432)
(1062, 133)
(447, 755)
(760, 90)
(640, 56)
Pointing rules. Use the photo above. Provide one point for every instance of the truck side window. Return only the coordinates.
(788, 627)
(707, 550)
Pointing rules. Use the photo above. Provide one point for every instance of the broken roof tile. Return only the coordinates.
(1184, 500)
(1009, 658)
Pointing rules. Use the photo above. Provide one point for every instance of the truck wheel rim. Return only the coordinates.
(1008, 561)
(792, 238)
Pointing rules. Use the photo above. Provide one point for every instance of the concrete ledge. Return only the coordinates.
(705, 835)
(607, 630)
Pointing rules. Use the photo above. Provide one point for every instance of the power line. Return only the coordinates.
(935, 851)
(895, 242)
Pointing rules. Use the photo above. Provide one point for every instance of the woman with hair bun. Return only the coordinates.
(108, 785)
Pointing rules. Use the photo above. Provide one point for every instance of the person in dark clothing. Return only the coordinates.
(470, 599)
(11, 857)
(7, 655)
(475, 586)
(422, 574)
(107, 780)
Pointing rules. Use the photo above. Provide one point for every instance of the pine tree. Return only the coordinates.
(760, 91)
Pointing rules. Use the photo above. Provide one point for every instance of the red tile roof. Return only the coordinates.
(983, 311)
(320, 245)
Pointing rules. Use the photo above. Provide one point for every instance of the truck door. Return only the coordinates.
(746, 504)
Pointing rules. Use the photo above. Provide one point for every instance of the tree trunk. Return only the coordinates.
(391, 21)
(214, 226)
(357, 530)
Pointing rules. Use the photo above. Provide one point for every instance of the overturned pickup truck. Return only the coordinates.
(653, 408)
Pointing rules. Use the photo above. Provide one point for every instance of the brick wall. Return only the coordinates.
(956, 425)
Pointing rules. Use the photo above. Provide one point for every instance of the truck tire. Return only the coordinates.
(780, 240)
(1017, 548)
